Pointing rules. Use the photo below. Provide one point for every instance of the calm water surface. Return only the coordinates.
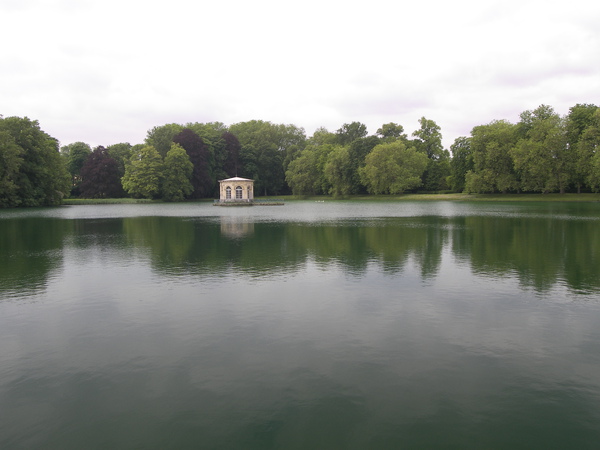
(336, 325)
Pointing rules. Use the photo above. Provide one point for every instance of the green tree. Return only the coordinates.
(263, 150)
(358, 151)
(594, 174)
(306, 173)
(306, 176)
(393, 168)
(588, 149)
(303, 174)
(349, 132)
(321, 136)
(11, 159)
(390, 132)
(291, 141)
(143, 174)
(161, 137)
(256, 138)
(35, 175)
(461, 163)
(177, 173)
(541, 157)
(121, 153)
(338, 171)
(580, 118)
(435, 177)
(429, 139)
(75, 154)
(493, 168)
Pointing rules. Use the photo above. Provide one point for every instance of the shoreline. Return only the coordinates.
(582, 198)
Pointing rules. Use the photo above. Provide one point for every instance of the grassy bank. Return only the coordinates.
(404, 197)
(459, 197)
(105, 201)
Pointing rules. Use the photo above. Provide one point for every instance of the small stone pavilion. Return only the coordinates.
(236, 190)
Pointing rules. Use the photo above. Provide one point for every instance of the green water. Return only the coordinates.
(336, 325)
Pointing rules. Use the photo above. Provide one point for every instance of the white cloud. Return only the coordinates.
(105, 72)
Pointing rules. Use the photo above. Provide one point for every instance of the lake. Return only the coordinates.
(314, 325)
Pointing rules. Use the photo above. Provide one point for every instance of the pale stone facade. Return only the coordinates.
(236, 190)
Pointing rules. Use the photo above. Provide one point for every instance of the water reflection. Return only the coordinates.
(540, 251)
(29, 252)
(236, 227)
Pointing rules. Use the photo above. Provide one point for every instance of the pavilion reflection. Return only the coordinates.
(237, 227)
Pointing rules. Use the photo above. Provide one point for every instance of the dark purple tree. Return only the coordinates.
(100, 176)
(199, 155)
(232, 150)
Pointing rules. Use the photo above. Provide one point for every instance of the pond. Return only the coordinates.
(314, 325)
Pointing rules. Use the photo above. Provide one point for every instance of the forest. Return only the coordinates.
(542, 153)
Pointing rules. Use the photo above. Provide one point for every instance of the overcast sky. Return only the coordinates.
(107, 71)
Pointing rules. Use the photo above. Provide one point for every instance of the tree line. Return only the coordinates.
(542, 152)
